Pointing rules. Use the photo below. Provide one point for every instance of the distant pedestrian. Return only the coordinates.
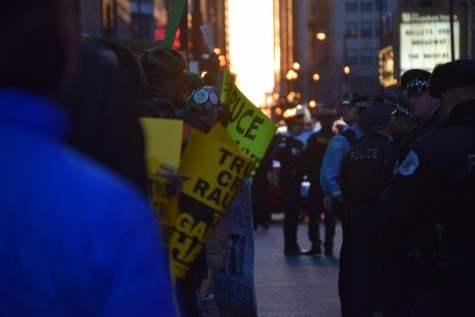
(430, 200)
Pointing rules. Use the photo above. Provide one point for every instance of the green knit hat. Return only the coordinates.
(194, 81)
(162, 63)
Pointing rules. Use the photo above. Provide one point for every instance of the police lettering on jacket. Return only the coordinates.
(364, 154)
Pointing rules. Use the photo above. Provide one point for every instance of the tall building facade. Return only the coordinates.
(347, 58)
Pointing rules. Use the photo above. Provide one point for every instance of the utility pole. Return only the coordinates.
(195, 30)
(184, 30)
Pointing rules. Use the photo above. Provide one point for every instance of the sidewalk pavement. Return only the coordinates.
(297, 285)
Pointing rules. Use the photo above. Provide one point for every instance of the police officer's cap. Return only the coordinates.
(377, 117)
(363, 102)
(348, 100)
(414, 81)
(400, 103)
(299, 118)
(326, 113)
(453, 74)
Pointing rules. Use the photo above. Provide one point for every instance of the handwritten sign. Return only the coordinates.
(249, 127)
(216, 172)
(207, 30)
(233, 285)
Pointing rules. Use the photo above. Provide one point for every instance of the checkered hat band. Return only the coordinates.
(391, 102)
(405, 111)
(362, 104)
(400, 108)
(379, 127)
(417, 83)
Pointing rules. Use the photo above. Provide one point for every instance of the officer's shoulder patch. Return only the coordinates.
(410, 164)
(336, 144)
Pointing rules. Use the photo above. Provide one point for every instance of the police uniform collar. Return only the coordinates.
(462, 112)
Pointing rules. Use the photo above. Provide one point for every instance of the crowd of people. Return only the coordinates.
(399, 179)
(78, 236)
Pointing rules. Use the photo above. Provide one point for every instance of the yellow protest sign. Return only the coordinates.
(162, 142)
(162, 148)
(165, 206)
(219, 133)
(216, 171)
(249, 127)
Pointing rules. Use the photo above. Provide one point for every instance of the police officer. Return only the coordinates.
(340, 144)
(404, 120)
(401, 128)
(361, 180)
(423, 106)
(315, 149)
(330, 172)
(431, 198)
(289, 153)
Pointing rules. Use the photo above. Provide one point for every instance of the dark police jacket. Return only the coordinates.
(420, 130)
(314, 152)
(362, 172)
(435, 185)
(289, 153)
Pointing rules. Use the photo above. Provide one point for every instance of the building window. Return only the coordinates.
(366, 5)
(351, 29)
(377, 5)
(366, 56)
(351, 5)
(352, 57)
(377, 28)
(366, 29)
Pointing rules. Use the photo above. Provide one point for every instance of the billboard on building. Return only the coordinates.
(425, 40)
(386, 66)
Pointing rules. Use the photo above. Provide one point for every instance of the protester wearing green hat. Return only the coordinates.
(194, 81)
(167, 85)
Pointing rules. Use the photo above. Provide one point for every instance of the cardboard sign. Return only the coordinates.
(162, 143)
(250, 128)
(216, 171)
(233, 285)
(162, 149)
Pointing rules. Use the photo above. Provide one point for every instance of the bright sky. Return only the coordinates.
(251, 44)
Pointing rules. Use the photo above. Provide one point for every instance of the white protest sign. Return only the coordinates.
(207, 30)
(233, 285)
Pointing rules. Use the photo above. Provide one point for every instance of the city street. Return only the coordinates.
(298, 285)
